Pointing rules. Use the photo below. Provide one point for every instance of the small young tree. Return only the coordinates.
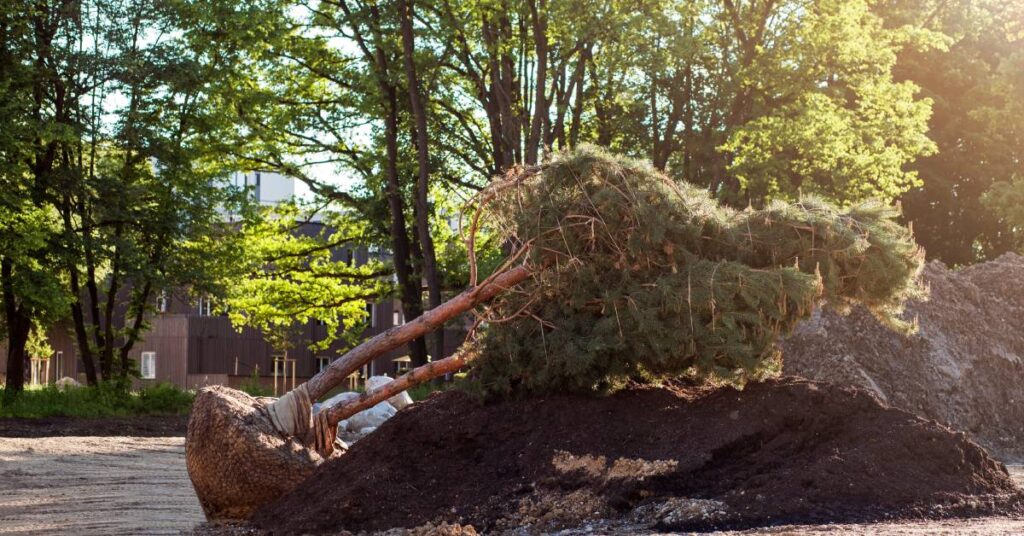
(622, 273)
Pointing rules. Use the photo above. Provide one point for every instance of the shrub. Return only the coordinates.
(253, 386)
(104, 400)
(648, 278)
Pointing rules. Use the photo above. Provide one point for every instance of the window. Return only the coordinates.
(161, 302)
(204, 306)
(372, 311)
(322, 363)
(147, 365)
(397, 318)
(58, 365)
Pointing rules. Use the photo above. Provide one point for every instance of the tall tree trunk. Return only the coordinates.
(108, 311)
(538, 15)
(77, 310)
(412, 300)
(577, 113)
(688, 127)
(139, 309)
(421, 208)
(18, 327)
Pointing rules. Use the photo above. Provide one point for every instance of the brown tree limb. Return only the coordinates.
(326, 422)
(431, 320)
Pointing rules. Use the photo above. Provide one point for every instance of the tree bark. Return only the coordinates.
(18, 326)
(139, 307)
(77, 310)
(422, 211)
(577, 113)
(412, 300)
(538, 17)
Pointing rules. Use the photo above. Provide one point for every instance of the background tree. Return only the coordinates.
(287, 276)
(1006, 201)
(977, 87)
(141, 186)
(330, 87)
(109, 174)
(34, 127)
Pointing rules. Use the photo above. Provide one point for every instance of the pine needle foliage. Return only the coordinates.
(647, 278)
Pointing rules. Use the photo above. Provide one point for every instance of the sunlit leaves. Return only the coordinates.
(291, 272)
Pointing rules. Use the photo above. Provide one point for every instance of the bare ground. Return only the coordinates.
(135, 485)
(961, 369)
(95, 485)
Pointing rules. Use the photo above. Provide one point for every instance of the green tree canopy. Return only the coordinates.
(976, 83)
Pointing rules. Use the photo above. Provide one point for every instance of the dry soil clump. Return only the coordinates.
(784, 451)
(963, 368)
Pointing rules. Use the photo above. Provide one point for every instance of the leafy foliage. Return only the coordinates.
(109, 169)
(1006, 200)
(290, 272)
(646, 277)
(107, 399)
(976, 84)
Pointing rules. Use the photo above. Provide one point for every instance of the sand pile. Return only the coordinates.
(671, 459)
(964, 368)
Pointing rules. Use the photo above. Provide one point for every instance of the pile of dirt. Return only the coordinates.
(784, 451)
(964, 368)
(138, 426)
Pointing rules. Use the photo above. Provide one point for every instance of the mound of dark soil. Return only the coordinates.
(140, 426)
(963, 368)
(780, 452)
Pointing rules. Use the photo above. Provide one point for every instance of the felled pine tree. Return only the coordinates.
(646, 278)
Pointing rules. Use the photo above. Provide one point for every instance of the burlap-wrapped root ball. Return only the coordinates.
(236, 459)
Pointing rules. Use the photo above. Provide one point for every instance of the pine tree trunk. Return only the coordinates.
(433, 319)
(414, 377)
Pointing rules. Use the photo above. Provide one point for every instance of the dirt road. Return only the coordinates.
(138, 485)
(95, 485)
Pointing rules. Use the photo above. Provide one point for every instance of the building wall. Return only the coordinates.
(167, 337)
(193, 350)
(61, 341)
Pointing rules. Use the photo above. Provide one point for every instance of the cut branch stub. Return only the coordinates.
(326, 422)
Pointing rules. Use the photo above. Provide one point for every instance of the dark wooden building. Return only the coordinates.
(190, 346)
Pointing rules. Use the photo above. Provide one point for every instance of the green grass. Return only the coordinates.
(106, 400)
